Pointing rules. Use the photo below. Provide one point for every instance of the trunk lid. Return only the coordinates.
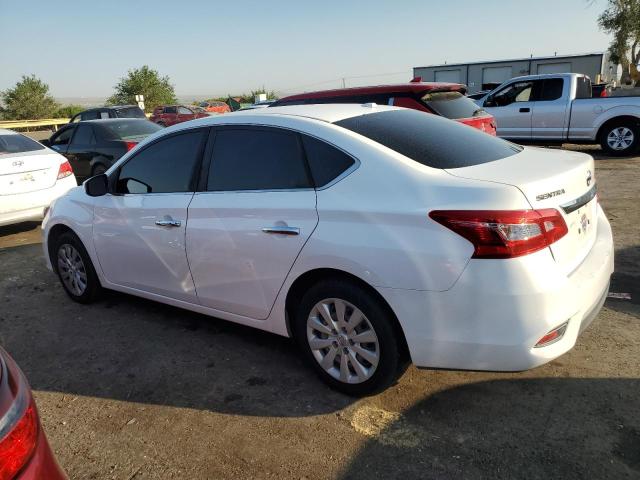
(28, 171)
(551, 178)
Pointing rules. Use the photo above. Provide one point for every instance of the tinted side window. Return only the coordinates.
(551, 89)
(84, 135)
(165, 166)
(91, 115)
(429, 139)
(256, 159)
(515, 92)
(583, 89)
(62, 137)
(184, 111)
(170, 110)
(325, 161)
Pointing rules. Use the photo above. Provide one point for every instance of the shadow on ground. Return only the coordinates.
(529, 428)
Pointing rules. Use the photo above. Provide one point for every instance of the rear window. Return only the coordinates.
(18, 144)
(126, 130)
(451, 105)
(583, 87)
(429, 139)
(130, 112)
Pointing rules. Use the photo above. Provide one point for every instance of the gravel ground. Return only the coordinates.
(132, 389)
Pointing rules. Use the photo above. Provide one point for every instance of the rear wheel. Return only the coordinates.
(348, 337)
(620, 138)
(74, 268)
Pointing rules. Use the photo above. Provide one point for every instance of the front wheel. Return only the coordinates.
(348, 337)
(620, 138)
(74, 268)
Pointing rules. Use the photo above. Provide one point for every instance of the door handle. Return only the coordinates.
(525, 110)
(168, 223)
(282, 230)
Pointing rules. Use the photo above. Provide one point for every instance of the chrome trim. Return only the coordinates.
(168, 223)
(282, 230)
(579, 202)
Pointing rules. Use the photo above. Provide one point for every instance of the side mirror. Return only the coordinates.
(97, 186)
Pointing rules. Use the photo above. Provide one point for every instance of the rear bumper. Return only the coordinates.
(499, 309)
(23, 207)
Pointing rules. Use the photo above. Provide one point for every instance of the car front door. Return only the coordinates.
(59, 141)
(512, 107)
(184, 114)
(81, 150)
(139, 228)
(256, 210)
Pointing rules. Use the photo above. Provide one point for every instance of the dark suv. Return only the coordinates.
(113, 111)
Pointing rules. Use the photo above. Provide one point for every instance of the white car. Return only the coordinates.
(372, 235)
(31, 177)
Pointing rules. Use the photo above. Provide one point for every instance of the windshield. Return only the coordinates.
(452, 105)
(130, 112)
(126, 130)
(17, 144)
(429, 139)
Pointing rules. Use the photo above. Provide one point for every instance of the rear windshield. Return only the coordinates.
(451, 105)
(127, 130)
(430, 140)
(130, 112)
(18, 144)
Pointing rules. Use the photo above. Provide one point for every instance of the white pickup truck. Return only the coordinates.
(558, 108)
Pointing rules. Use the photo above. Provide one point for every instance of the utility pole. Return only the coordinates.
(343, 83)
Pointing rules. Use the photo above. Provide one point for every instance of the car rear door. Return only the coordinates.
(550, 118)
(512, 107)
(139, 229)
(256, 210)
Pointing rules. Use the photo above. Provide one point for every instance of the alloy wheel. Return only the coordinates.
(343, 341)
(620, 138)
(72, 269)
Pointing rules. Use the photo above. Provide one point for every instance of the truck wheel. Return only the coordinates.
(620, 138)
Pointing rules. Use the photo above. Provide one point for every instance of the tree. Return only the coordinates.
(622, 20)
(145, 81)
(28, 100)
(68, 111)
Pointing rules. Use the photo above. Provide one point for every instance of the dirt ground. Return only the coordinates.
(132, 389)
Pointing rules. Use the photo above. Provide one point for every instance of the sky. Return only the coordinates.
(81, 48)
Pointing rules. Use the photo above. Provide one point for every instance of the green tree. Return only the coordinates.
(622, 20)
(145, 81)
(68, 111)
(28, 100)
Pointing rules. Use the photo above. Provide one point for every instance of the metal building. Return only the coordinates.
(487, 75)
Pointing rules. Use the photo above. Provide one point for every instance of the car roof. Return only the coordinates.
(329, 113)
(410, 87)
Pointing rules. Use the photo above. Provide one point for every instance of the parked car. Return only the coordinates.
(560, 108)
(371, 234)
(444, 99)
(24, 450)
(93, 146)
(115, 111)
(215, 107)
(168, 115)
(31, 177)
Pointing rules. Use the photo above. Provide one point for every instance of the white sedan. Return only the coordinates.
(31, 177)
(372, 235)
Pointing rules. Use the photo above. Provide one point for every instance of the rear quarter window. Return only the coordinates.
(430, 140)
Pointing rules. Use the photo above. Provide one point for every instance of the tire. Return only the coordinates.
(370, 366)
(620, 138)
(74, 268)
(98, 169)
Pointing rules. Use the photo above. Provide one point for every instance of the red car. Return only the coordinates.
(24, 451)
(168, 115)
(216, 107)
(444, 99)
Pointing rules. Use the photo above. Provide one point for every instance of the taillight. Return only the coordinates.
(504, 233)
(65, 170)
(130, 145)
(19, 443)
